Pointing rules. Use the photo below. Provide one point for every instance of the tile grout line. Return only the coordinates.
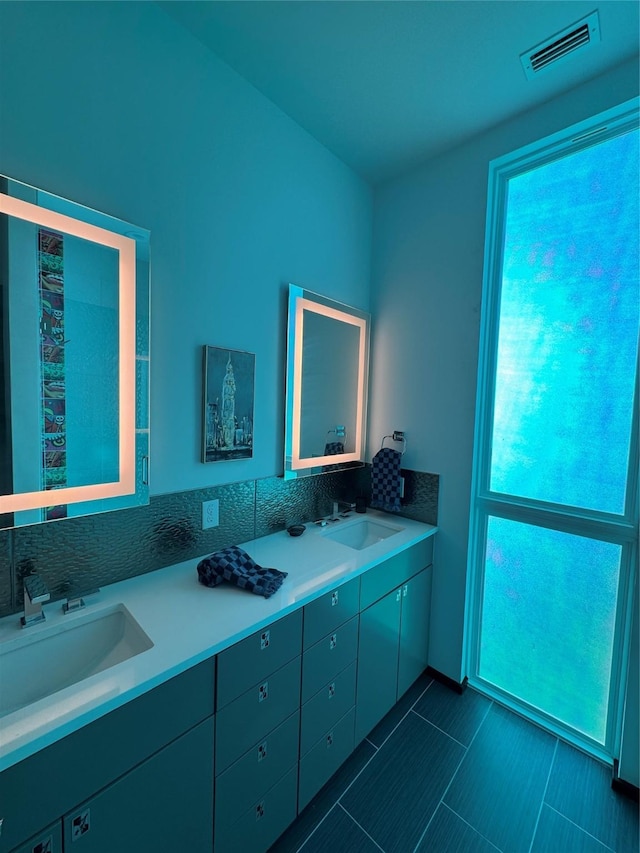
(544, 794)
(451, 737)
(357, 776)
(577, 825)
(351, 817)
(316, 827)
(455, 773)
(404, 716)
(495, 847)
(378, 748)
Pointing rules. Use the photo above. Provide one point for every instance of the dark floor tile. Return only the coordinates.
(323, 801)
(500, 784)
(556, 833)
(339, 832)
(580, 789)
(391, 720)
(395, 796)
(459, 715)
(447, 833)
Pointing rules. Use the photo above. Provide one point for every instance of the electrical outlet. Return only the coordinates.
(210, 514)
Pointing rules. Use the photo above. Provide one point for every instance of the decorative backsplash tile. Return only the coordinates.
(280, 503)
(420, 500)
(78, 554)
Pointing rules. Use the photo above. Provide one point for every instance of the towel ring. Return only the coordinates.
(397, 436)
(340, 431)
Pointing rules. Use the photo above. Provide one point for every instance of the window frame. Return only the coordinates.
(620, 529)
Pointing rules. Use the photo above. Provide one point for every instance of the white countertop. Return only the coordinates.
(188, 623)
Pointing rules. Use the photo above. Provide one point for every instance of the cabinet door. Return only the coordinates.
(163, 805)
(379, 640)
(414, 630)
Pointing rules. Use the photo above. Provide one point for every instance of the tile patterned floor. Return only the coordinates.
(444, 773)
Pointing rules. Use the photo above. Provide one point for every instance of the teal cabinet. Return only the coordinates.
(257, 737)
(264, 821)
(39, 790)
(378, 648)
(413, 653)
(393, 646)
(243, 784)
(325, 757)
(165, 804)
(163, 773)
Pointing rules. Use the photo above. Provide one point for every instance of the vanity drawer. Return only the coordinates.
(263, 822)
(250, 717)
(328, 705)
(329, 611)
(242, 784)
(330, 656)
(255, 657)
(322, 761)
(391, 573)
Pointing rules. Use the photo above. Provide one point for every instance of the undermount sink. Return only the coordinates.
(56, 656)
(361, 534)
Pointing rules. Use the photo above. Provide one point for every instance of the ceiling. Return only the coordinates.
(385, 84)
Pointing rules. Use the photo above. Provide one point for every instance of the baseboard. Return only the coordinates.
(457, 687)
(621, 786)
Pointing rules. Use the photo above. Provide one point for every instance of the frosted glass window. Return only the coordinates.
(568, 329)
(548, 621)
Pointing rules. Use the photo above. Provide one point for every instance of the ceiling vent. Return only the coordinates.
(578, 37)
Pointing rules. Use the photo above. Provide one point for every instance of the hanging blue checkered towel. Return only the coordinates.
(333, 448)
(237, 567)
(385, 480)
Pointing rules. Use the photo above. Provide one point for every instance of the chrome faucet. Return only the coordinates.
(35, 594)
(346, 507)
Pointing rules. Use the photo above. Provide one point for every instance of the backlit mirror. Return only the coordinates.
(326, 399)
(74, 359)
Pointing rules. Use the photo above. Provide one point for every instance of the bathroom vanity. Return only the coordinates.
(218, 734)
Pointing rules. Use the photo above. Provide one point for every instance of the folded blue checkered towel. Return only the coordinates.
(237, 567)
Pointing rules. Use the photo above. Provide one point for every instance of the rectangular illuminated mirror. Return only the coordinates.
(74, 291)
(327, 372)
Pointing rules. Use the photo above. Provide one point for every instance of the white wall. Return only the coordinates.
(429, 229)
(114, 106)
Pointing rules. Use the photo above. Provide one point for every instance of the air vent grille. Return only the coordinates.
(579, 36)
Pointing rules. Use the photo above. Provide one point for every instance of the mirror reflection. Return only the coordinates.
(71, 440)
(326, 384)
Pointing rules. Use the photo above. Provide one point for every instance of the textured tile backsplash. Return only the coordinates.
(79, 554)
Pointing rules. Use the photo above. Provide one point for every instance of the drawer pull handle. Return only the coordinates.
(45, 845)
(332, 690)
(265, 639)
(329, 740)
(398, 594)
(80, 824)
(262, 751)
(333, 642)
(334, 598)
(260, 810)
(263, 692)
(405, 589)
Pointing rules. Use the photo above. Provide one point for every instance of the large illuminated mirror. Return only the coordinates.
(327, 371)
(74, 359)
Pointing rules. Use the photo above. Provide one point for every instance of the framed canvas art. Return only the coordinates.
(228, 391)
